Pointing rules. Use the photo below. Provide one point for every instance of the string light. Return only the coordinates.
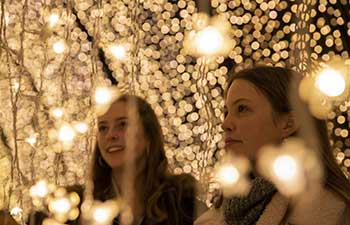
(118, 51)
(59, 47)
(209, 41)
(53, 19)
(285, 167)
(103, 96)
(57, 113)
(60, 205)
(66, 133)
(228, 175)
(81, 127)
(16, 211)
(40, 189)
(31, 140)
(331, 82)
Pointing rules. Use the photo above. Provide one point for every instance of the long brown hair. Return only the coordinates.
(278, 84)
(162, 192)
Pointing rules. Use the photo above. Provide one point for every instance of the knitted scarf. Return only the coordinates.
(247, 210)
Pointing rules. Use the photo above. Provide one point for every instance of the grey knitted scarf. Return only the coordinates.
(247, 210)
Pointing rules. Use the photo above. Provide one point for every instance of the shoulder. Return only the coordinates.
(323, 208)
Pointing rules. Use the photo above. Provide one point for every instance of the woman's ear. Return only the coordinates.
(290, 124)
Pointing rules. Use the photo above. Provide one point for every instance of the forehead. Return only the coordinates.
(116, 110)
(243, 89)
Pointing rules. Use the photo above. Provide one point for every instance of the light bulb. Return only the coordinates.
(53, 19)
(103, 96)
(40, 189)
(285, 167)
(228, 174)
(81, 127)
(118, 51)
(60, 205)
(209, 41)
(59, 47)
(66, 133)
(331, 82)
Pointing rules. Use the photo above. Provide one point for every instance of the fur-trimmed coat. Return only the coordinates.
(326, 209)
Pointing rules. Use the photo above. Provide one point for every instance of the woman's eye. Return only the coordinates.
(102, 128)
(122, 124)
(242, 108)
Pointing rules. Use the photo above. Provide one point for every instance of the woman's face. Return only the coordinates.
(249, 120)
(113, 129)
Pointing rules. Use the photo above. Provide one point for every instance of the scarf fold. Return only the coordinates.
(247, 210)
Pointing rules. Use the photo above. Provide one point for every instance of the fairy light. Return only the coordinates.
(53, 19)
(103, 96)
(31, 140)
(16, 211)
(60, 205)
(66, 133)
(331, 82)
(40, 189)
(81, 127)
(285, 167)
(101, 215)
(228, 175)
(59, 47)
(209, 41)
(57, 113)
(118, 51)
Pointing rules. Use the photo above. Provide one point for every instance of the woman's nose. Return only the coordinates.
(112, 133)
(227, 124)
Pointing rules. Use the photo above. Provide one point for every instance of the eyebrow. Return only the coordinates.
(116, 120)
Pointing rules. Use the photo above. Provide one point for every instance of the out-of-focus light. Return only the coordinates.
(103, 96)
(53, 19)
(16, 211)
(60, 205)
(57, 113)
(59, 47)
(331, 82)
(101, 215)
(81, 127)
(209, 41)
(104, 213)
(285, 167)
(228, 174)
(66, 133)
(40, 189)
(118, 51)
(31, 140)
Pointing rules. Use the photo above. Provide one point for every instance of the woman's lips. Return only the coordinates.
(115, 149)
(231, 141)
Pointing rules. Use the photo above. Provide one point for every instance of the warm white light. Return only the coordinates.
(59, 47)
(101, 215)
(16, 211)
(60, 205)
(285, 167)
(57, 113)
(31, 140)
(81, 127)
(118, 51)
(228, 174)
(40, 189)
(331, 82)
(209, 41)
(103, 96)
(53, 19)
(66, 133)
